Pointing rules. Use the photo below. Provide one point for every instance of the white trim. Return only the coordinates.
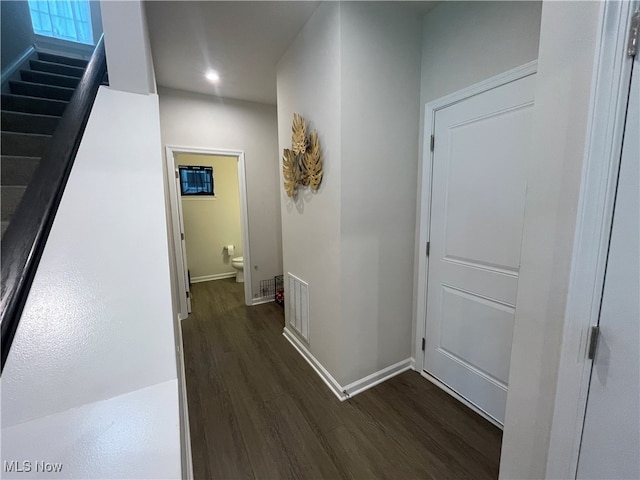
(217, 276)
(262, 300)
(359, 386)
(354, 388)
(331, 382)
(185, 431)
(611, 75)
(171, 150)
(461, 399)
(424, 189)
(175, 230)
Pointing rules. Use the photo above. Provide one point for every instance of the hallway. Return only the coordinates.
(258, 410)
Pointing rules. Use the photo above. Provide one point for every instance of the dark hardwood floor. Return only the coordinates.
(258, 410)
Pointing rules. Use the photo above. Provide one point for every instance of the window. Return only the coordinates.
(64, 19)
(196, 180)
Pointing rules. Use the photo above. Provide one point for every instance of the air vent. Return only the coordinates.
(299, 306)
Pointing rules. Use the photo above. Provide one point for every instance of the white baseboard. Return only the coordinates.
(261, 300)
(331, 382)
(375, 378)
(354, 388)
(217, 276)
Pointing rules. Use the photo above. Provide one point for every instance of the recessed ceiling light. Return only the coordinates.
(213, 76)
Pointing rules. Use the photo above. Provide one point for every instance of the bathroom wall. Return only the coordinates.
(196, 120)
(212, 222)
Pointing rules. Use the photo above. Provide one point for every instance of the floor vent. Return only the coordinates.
(299, 306)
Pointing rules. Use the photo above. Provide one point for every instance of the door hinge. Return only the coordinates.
(593, 342)
(181, 236)
(423, 342)
(187, 294)
(428, 248)
(176, 172)
(634, 31)
(433, 143)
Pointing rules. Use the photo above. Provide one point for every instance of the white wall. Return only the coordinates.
(195, 120)
(91, 376)
(380, 80)
(563, 87)
(354, 73)
(308, 83)
(466, 42)
(126, 41)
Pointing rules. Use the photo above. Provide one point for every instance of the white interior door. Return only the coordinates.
(611, 437)
(183, 245)
(477, 211)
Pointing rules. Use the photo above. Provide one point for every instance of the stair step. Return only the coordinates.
(56, 68)
(49, 78)
(74, 62)
(10, 197)
(24, 144)
(39, 90)
(28, 122)
(15, 170)
(43, 106)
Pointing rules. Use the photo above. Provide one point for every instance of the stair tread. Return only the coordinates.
(47, 85)
(53, 100)
(17, 170)
(10, 196)
(49, 78)
(63, 59)
(27, 134)
(41, 90)
(69, 69)
(17, 121)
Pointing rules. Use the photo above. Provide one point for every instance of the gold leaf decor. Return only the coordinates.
(299, 137)
(313, 162)
(290, 172)
(302, 165)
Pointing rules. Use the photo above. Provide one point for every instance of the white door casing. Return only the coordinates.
(611, 435)
(478, 187)
(175, 206)
(607, 112)
(183, 244)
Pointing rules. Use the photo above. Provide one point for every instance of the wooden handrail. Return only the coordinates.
(26, 235)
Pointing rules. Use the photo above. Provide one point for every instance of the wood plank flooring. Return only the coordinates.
(258, 410)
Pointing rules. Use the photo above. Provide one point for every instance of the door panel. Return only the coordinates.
(477, 212)
(611, 435)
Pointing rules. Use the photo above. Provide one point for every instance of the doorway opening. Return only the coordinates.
(210, 229)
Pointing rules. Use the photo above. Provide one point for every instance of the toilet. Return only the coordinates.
(238, 264)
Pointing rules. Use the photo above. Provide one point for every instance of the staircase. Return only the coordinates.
(30, 114)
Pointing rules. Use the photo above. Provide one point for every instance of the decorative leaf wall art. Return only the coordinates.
(302, 165)
(290, 172)
(299, 136)
(312, 162)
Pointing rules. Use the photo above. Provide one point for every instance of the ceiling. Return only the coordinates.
(241, 40)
